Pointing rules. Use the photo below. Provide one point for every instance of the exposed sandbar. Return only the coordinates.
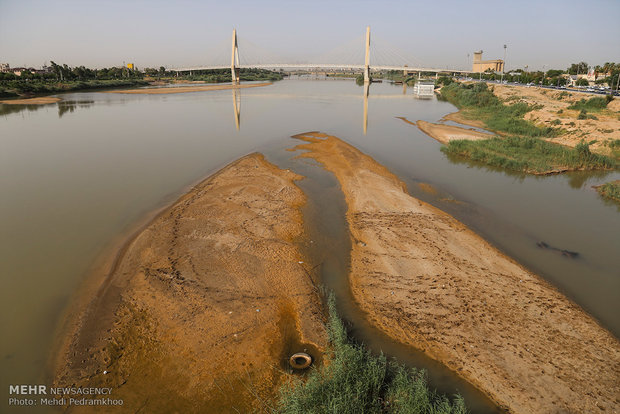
(428, 281)
(41, 100)
(447, 133)
(459, 118)
(205, 304)
(183, 89)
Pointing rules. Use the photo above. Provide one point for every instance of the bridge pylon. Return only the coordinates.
(234, 59)
(367, 62)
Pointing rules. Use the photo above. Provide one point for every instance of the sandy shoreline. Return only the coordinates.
(459, 118)
(447, 133)
(184, 89)
(428, 281)
(206, 302)
(42, 100)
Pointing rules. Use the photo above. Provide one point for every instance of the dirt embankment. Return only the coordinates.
(206, 304)
(428, 281)
(554, 109)
(447, 133)
(42, 100)
(183, 89)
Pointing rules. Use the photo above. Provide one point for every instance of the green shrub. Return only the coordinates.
(355, 381)
(610, 190)
(592, 104)
(530, 155)
(615, 143)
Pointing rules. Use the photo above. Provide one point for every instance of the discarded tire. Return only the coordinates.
(300, 360)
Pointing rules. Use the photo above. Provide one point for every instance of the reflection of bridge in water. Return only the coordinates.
(385, 61)
(236, 99)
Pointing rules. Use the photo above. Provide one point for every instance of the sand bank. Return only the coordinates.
(41, 100)
(459, 118)
(428, 281)
(183, 89)
(447, 133)
(205, 305)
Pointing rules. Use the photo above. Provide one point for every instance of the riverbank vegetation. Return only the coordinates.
(477, 101)
(530, 155)
(524, 145)
(62, 78)
(354, 381)
(223, 75)
(37, 87)
(610, 190)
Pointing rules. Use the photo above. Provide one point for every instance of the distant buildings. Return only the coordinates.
(480, 65)
(4, 67)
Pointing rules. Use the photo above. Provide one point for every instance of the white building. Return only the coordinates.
(424, 89)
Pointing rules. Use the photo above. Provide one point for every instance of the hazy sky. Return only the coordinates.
(102, 33)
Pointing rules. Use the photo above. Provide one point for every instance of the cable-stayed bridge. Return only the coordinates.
(376, 56)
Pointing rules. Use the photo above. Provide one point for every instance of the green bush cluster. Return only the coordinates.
(583, 114)
(610, 190)
(530, 155)
(592, 104)
(223, 75)
(355, 381)
(15, 88)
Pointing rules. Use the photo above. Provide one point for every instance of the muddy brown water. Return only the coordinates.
(78, 175)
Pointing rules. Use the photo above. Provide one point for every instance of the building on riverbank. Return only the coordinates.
(479, 65)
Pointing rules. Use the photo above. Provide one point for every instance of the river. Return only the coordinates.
(77, 176)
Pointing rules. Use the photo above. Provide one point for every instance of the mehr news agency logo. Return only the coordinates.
(34, 395)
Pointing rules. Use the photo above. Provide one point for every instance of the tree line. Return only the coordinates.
(607, 73)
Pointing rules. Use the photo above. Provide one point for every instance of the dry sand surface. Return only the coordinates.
(31, 101)
(206, 304)
(428, 281)
(447, 133)
(182, 89)
(606, 127)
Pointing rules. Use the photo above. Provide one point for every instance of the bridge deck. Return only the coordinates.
(322, 66)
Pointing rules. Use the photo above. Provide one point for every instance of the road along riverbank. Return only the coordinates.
(428, 281)
(204, 307)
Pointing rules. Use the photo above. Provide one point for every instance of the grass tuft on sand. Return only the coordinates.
(354, 381)
(530, 155)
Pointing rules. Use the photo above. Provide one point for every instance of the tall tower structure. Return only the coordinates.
(234, 59)
(367, 61)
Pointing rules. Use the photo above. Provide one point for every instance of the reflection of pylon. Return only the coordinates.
(367, 61)
(366, 90)
(234, 60)
(237, 106)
